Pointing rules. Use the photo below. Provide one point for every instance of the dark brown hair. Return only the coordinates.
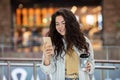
(73, 35)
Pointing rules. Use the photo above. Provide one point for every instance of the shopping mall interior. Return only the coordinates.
(23, 24)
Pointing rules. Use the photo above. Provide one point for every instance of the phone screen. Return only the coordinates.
(47, 40)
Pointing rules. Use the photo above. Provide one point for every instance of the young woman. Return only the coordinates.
(62, 59)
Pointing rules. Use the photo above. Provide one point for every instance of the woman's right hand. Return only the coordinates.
(48, 51)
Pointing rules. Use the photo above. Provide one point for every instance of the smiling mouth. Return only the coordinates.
(62, 30)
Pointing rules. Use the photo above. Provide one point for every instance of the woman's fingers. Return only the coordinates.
(88, 67)
(48, 49)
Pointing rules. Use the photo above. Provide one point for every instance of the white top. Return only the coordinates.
(57, 67)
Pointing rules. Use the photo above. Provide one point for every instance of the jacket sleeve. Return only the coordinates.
(49, 68)
(91, 57)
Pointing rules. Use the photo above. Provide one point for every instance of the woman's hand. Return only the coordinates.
(88, 67)
(48, 52)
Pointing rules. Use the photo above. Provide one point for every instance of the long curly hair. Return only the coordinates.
(73, 35)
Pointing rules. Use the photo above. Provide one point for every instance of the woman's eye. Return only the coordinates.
(57, 24)
(63, 22)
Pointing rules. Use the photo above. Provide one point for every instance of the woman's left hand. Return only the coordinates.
(88, 67)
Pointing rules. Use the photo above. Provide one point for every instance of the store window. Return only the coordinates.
(31, 24)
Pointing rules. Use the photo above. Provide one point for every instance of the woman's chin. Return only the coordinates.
(62, 34)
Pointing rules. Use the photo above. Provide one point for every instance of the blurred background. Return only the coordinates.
(23, 23)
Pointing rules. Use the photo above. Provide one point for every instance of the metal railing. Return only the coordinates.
(31, 62)
(35, 62)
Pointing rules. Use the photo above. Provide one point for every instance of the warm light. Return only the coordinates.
(44, 15)
(97, 9)
(84, 9)
(45, 20)
(38, 17)
(74, 8)
(18, 18)
(90, 19)
(20, 5)
(24, 13)
(50, 11)
(50, 18)
(31, 16)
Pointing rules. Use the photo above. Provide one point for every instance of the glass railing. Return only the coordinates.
(29, 69)
(110, 70)
(21, 69)
(107, 64)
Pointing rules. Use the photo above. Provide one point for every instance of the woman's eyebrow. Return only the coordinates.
(63, 21)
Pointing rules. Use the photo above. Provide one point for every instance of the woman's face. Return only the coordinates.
(60, 25)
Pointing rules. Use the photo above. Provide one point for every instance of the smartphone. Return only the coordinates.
(47, 40)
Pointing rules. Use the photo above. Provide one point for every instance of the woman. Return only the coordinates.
(62, 60)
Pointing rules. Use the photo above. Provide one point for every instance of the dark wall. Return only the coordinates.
(111, 17)
(5, 22)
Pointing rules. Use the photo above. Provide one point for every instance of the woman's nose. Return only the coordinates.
(61, 25)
